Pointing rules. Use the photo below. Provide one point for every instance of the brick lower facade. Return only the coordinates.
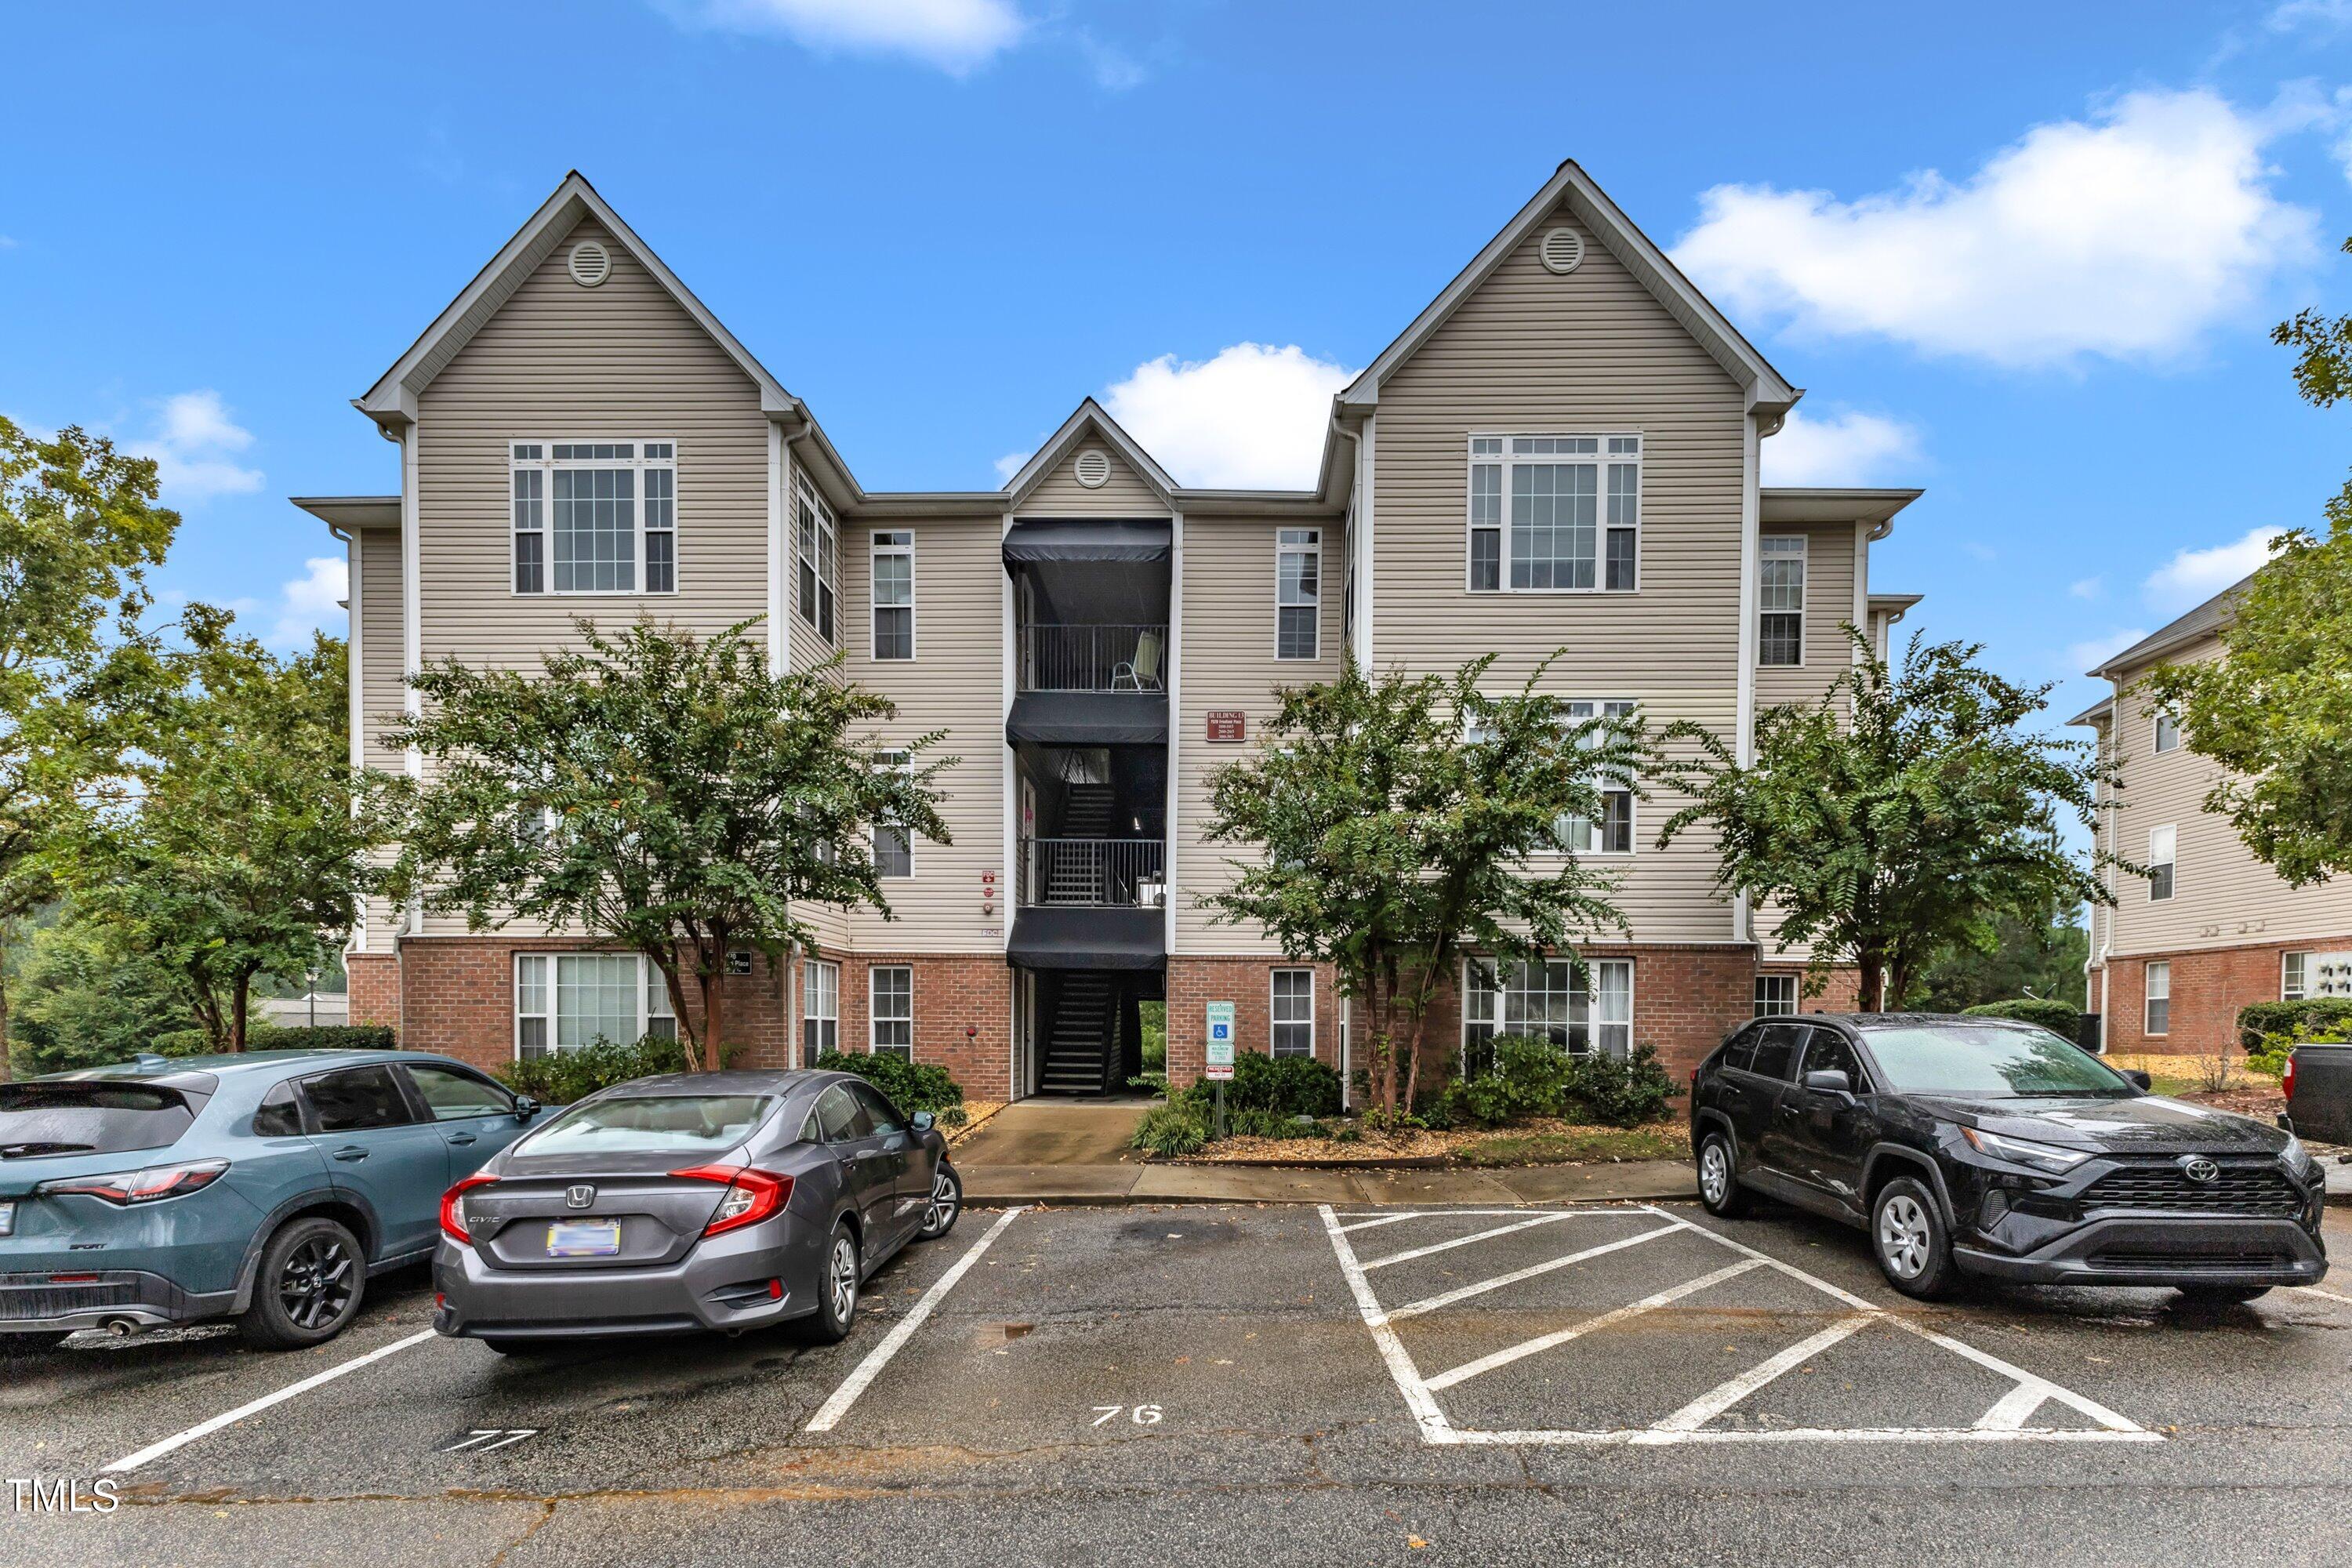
(964, 1012)
(2208, 985)
(1248, 984)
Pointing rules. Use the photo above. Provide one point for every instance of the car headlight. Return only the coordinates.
(2047, 1157)
(2298, 1157)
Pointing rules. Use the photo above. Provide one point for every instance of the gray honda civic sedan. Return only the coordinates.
(691, 1203)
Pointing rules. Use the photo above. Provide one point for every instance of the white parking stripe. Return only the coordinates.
(1382, 1220)
(1434, 1428)
(1409, 1256)
(1525, 1348)
(1447, 1298)
(229, 1418)
(1731, 1390)
(2009, 1411)
(837, 1407)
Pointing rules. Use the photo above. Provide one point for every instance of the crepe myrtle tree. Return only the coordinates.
(667, 791)
(1401, 821)
(1897, 818)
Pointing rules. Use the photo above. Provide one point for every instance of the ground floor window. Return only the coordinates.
(566, 1000)
(1292, 1017)
(1582, 1012)
(2160, 998)
(1775, 995)
(819, 1008)
(891, 989)
(2294, 977)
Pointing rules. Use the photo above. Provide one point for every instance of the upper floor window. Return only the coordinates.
(1555, 513)
(594, 517)
(893, 848)
(1780, 600)
(894, 595)
(2162, 844)
(1612, 832)
(1298, 592)
(818, 553)
(2167, 733)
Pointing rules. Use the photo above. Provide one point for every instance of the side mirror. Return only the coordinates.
(922, 1121)
(2140, 1078)
(525, 1108)
(1830, 1080)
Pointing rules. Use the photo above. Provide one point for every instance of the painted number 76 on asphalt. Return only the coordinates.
(1141, 1414)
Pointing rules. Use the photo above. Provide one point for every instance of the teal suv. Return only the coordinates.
(266, 1187)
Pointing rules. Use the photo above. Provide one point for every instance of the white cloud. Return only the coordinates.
(2193, 576)
(1010, 464)
(2298, 14)
(2125, 235)
(312, 601)
(956, 36)
(1846, 448)
(2092, 652)
(1251, 418)
(192, 446)
(1115, 70)
(2086, 587)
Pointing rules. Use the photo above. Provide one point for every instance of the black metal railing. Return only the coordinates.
(1094, 658)
(1116, 873)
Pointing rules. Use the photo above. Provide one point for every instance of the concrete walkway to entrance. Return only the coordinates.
(1055, 1132)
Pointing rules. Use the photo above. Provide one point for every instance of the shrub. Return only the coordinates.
(1286, 1086)
(2258, 1021)
(1622, 1091)
(321, 1037)
(558, 1078)
(911, 1085)
(2061, 1018)
(1169, 1130)
(1534, 1078)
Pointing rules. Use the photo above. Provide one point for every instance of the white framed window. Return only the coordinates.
(2162, 844)
(1547, 998)
(817, 551)
(2294, 977)
(1613, 833)
(1298, 592)
(890, 1012)
(893, 847)
(2159, 997)
(2167, 733)
(566, 1000)
(1290, 1028)
(893, 554)
(1780, 600)
(1776, 996)
(1554, 514)
(819, 1008)
(593, 517)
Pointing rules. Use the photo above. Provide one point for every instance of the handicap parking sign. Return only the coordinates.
(1220, 1056)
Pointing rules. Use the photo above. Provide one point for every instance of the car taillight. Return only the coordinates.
(2287, 1079)
(751, 1195)
(152, 1185)
(453, 1212)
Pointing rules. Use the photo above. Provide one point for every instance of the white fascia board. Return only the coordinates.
(1090, 415)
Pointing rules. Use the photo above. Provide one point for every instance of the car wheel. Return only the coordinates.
(837, 1289)
(947, 1202)
(2222, 1295)
(1913, 1245)
(1718, 1178)
(308, 1288)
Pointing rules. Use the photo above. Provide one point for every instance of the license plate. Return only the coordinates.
(584, 1238)
(8, 1217)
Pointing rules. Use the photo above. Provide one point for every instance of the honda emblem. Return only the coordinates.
(580, 1196)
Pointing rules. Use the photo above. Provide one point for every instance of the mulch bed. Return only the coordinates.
(1420, 1146)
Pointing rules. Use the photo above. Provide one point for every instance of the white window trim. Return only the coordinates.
(1314, 547)
(547, 464)
(906, 763)
(1795, 996)
(1271, 1021)
(2171, 861)
(2156, 745)
(805, 492)
(1506, 458)
(646, 976)
(874, 551)
(810, 967)
(2304, 993)
(1470, 965)
(1634, 800)
(2150, 997)
(873, 972)
(1804, 597)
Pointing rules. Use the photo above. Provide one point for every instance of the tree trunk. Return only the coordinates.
(714, 1014)
(5, 1047)
(1873, 994)
(686, 1035)
(240, 989)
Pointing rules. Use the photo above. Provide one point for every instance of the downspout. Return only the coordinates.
(1360, 617)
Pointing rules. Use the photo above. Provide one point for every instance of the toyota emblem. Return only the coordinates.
(581, 1196)
(2200, 1169)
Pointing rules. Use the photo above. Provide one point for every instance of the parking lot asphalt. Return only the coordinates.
(1310, 1383)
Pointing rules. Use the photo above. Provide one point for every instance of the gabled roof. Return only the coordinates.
(2097, 713)
(2197, 625)
(392, 399)
(1819, 504)
(1089, 419)
(1765, 388)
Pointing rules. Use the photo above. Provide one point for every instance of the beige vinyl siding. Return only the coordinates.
(1224, 648)
(1829, 606)
(955, 683)
(805, 646)
(2222, 896)
(1125, 494)
(1588, 352)
(382, 688)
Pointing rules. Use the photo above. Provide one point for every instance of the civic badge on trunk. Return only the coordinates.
(583, 1195)
(2200, 1169)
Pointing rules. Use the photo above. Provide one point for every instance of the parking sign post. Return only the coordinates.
(1218, 1063)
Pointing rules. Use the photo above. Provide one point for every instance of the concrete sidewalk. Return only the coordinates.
(990, 1185)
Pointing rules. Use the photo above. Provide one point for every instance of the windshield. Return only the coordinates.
(2005, 1060)
(38, 1118)
(650, 1123)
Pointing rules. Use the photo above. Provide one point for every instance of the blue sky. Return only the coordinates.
(2025, 256)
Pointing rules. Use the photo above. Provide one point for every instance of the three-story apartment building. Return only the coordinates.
(1559, 452)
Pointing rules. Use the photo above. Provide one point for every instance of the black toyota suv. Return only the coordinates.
(1979, 1146)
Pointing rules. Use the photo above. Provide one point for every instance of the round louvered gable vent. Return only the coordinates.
(1094, 468)
(1563, 250)
(590, 263)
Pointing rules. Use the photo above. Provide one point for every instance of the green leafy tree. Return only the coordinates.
(1405, 820)
(78, 526)
(86, 998)
(243, 849)
(665, 791)
(1899, 817)
(2039, 957)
